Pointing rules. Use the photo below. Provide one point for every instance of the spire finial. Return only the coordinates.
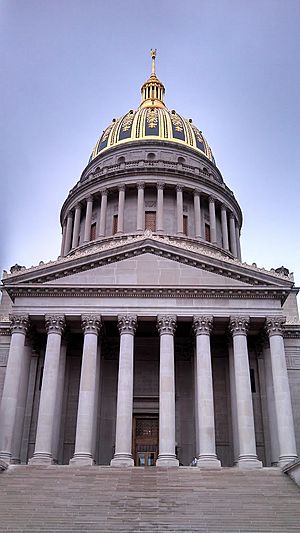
(153, 55)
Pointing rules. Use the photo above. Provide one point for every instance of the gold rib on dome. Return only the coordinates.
(152, 121)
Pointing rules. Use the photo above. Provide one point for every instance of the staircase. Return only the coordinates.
(104, 499)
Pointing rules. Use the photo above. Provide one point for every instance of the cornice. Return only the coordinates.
(31, 290)
(192, 253)
(291, 331)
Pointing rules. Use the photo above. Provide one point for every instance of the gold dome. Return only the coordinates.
(152, 121)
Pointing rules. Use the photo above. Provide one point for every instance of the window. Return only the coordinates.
(207, 232)
(93, 231)
(150, 220)
(185, 224)
(115, 224)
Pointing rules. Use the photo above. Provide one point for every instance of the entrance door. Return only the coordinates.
(145, 440)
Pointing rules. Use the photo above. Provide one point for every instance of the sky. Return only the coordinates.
(68, 67)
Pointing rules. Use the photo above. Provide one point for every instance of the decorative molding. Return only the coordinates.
(19, 323)
(239, 325)
(166, 324)
(274, 325)
(55, 324)
(202, 324)
(291, 331)
(91, 323)
(127, 324)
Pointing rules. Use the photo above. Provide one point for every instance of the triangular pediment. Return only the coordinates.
(148, 270)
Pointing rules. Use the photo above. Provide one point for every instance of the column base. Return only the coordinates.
(122, 460)
(247, 462)
(286, 459)
(41, 459)
(208, 462)
(167, 460)
(81, 459)
(6, 457)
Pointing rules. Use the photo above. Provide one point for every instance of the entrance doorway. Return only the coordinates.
(145, 440)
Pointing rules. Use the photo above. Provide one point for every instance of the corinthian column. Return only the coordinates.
(140, 218)
(207, 457)
(245, 419)
(166, 326)
(121, 208)
(179, 201)
(88, 392)
(102, 218)
(232, 235)
(88, 219)
(63, 238)
(224, 228)
(69, 229)
(212, 220)
(282, 395)
(55, 326)
(123, 449)
(197, 214)
(16, 375)
(76, 226)
(160, 207)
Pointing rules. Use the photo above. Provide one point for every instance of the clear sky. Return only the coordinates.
(69, 66)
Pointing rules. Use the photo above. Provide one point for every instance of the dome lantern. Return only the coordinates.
(153, 90)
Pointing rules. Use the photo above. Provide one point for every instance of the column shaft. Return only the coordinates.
(21, 405)
(179, 202)
(87, 404)
(233, 247)
(212, 221)
(160, 207)
(140, 219)
(224, 228)
(123, 448)
(238, 243)
(88, 220)
(197, 214)
(235, 432)
(76, 226)
(68, 233)
(63, 238)
(245, 418)
(283, 403)
(206, 421)
(272, 419)
(15, 374)
(59, 402)
(121, 207)
(102, 218)
(46, 421)
(167, 455)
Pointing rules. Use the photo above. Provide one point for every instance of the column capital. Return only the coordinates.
(179, 188)
(231, 215)
(223, 207)
(91, 324)
(19, 323)
(274, 325)
(160, 185)
(202, 324)
(70, 214)
(166, 324)
(196, 192)
(55, 324)
(89, 198)
(78, 205)
(239, 325)
(104, 192)
(121, 188)
(127, 324)
(140, 185)
(211, 199)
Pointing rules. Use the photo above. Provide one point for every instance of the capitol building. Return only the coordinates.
(149, 342)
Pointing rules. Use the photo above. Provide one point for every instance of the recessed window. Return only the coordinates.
(151, 156)
(185, 224)
(181, 160)
(121, 159)
(150, 220)
(207, 232)
(115, 224)
(93, 231)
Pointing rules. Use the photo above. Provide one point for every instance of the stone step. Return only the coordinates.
(64, 498)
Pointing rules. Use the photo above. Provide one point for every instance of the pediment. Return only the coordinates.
(148, 270)
(149, 260)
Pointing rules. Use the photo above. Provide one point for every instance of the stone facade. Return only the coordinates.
(149, 341)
